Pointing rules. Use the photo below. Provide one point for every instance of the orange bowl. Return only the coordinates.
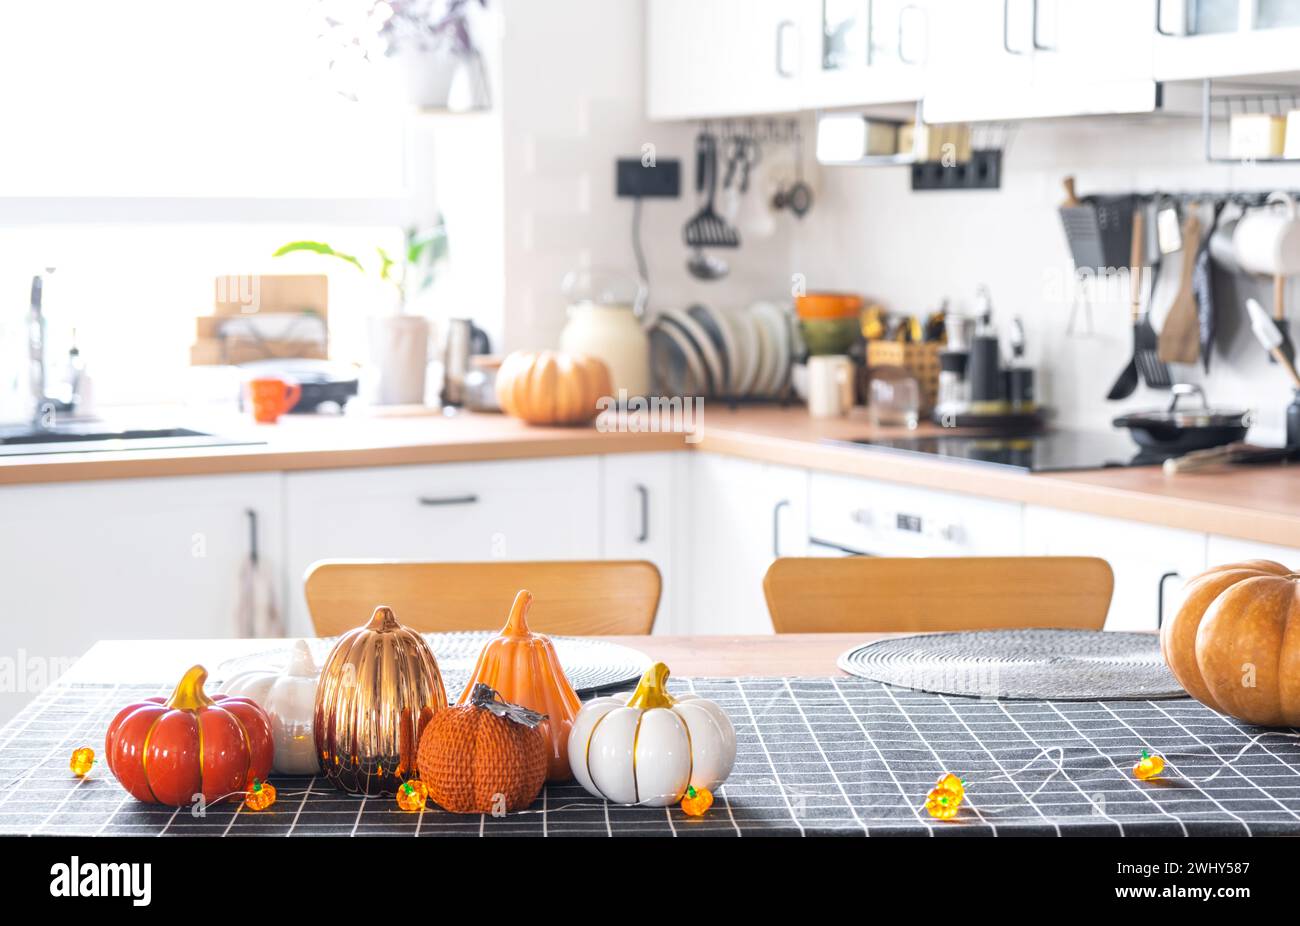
(828, 305)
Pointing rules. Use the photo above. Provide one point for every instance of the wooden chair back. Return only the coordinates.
(577, 598)
(871, 594)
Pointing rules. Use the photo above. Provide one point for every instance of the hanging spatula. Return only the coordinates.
(1180, 335)
(707, 229)
(1279, 316)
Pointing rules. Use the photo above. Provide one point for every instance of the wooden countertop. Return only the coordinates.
(1259, 503)
(797, 654)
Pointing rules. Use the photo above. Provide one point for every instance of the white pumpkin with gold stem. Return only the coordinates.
(647, 749)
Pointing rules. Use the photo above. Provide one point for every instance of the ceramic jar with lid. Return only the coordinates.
(603, 323)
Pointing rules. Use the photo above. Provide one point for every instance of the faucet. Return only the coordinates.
(44, 407)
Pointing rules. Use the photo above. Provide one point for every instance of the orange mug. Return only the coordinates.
(272, 397)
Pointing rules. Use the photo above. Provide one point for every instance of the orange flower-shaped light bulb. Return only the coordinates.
(82, 761)
(1149, 765)
(953, 784)
(696, 801)
(412, 795)
(260, 795)
(942, 803)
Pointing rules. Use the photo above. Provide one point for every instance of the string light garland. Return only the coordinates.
(83, 759)
(412, 795)
(696, 801)
(260, 795)
(1149, 765)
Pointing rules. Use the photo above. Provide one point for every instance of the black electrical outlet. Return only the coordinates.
(662, 179)
(982, 172)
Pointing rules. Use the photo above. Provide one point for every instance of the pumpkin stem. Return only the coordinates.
(301, 665)
(517, 623)
(189, 695)
(383, 620)
(653, 689)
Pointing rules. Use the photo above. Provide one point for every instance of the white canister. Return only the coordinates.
(830, 385)
(613, 334)
(399, 357)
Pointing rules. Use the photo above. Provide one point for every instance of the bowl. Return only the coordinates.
(829, 335)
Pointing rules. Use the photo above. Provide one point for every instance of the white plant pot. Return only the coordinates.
(427, 74)
(399, 357)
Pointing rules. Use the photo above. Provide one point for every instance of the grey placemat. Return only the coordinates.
(589, 664)
(1029, 664)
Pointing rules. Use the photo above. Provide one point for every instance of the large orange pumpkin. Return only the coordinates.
(522, 665)
(483, 756)
(1234, 644)
(549, 387)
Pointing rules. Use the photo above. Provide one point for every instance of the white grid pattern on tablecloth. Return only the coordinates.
(815, 756)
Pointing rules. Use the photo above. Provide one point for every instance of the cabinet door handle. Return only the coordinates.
(1006, 29)
(776, 526)
(902, 22)
(1160, 8)
(781, 27)
(1160, 597)
(253, 554)
(443, 501)
(644, 493)
(1033, 29)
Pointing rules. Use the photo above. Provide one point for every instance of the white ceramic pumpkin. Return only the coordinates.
(648, 748)
(289, 699)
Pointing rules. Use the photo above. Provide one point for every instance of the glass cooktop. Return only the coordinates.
(1042, 452)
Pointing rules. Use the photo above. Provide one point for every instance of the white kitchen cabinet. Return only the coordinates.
(1024, 59)
(715, 58)
(127, 559)
(852, 516)
(640, 496)
(518, 510)
(864, 52)
(1150, 562)
(743, 515)
(1225, 38)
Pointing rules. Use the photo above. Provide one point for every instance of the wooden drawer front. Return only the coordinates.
(885, 519)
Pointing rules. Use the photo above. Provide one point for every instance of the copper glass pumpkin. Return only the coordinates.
(379, 687)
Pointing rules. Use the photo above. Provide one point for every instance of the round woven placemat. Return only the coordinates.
(1052, 665)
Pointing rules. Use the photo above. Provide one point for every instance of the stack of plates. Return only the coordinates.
(723, 353)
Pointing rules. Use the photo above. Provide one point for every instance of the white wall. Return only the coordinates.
(572, 102)
(872, 234)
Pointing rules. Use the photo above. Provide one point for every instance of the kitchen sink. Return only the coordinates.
(23, 439)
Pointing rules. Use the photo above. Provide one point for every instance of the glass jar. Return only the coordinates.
(895, 397)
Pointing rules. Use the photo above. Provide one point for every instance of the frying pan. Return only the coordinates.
(1177, 429)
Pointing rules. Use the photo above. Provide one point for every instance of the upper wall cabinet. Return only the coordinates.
(1024, 59)
(864, 52)
(1226, 38)
(710, 58)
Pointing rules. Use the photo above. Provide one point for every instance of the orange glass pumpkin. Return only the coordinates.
(550, 387)
(167, 752)
(486, 756)
(523, 667)
(378, 688)
(1234, 643)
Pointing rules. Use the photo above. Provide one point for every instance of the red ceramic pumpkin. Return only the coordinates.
(167, 752)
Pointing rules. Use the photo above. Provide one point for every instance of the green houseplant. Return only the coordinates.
(399, 342)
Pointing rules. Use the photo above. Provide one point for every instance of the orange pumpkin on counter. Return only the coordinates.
(550, 387)
(524, 668)
(1234, 644)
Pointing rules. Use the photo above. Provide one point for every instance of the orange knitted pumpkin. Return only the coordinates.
(522, 665)
(486, 756)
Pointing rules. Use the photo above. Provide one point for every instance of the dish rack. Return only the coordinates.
(920, 359)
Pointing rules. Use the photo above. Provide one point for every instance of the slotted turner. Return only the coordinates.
(707, 229)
